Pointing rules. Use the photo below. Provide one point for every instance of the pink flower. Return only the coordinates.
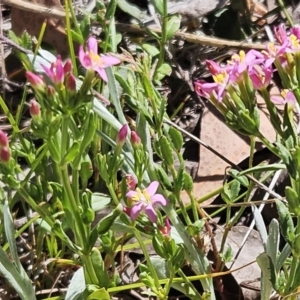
(91, 60)
(210, 89)
(280, 34)
(247, 60)
(56, 72)
(146, 201)
(286, 97)
(261, 76)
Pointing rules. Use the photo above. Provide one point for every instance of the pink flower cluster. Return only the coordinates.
(258, 66)
(59, 74)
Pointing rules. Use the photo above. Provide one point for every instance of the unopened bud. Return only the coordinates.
(36, 81)
(34, 109)
(68, 66)
(135, 139)
(70, 83)
(131, 182)
(122, 135)
(4, 154)
(165, 230)
(3, 139)
(50, 91)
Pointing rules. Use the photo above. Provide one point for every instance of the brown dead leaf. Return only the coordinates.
(55, 34)
(257, 10)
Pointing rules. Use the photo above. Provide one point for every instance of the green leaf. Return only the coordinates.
(263, 168)
(293, 200)
(110, 12)
(77, 286)
(9, 232)
(100, 201)
(286, 156)
(164, 70)
(105, 223)
(85, 27)
(99, 294)
(260, 225)
(159, 6)
(99, 268)
(132, 10)
(150, 49)
(242, 179)
(166, 151)
(286, 222)
(77, 37)
(172, 26)
(71, 154)
(265, 263)
(14, 272)
(176, 138)
(272, 245)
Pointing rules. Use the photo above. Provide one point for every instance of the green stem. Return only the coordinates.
(162, 42)
(22, 191)
(286, 13)
(147, 257)
(69, 35)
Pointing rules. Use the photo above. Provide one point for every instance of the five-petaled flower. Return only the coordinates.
(146, 201)
(91, 60)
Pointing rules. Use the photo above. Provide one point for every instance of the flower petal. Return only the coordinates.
(81, 55)
(151, 213)
(108, 61)
(136, 210)
(152, 188)
(92, 45)
(159, 199)
(102, 74)
(131, 194)
(87, 62)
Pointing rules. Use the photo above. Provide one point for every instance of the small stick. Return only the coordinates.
(192, 38)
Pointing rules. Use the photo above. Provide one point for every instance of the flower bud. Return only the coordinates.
(68, 66)
(122, 134)
(135, 139)
(36, 81)
(3, 139)
(50, 91)
(4, 154)
(34, 109)
(70, 83)
(131, 182)
(165, 230)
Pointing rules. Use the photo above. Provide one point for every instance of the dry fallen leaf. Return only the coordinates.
(233, 146)
(55, 34)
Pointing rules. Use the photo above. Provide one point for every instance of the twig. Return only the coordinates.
(197, 140)
(37, 8)
(7, 41)
(193, 38)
